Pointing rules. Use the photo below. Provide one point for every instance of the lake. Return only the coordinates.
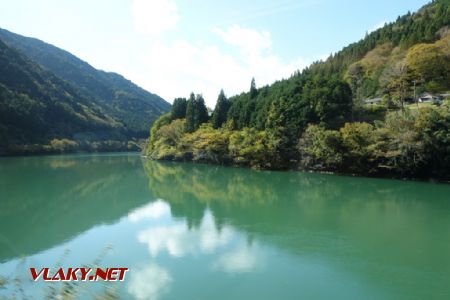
(192, 231)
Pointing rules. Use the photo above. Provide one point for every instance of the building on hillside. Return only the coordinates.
(427, 97)
(374, 101)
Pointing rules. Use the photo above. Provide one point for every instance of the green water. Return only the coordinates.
(190, 231)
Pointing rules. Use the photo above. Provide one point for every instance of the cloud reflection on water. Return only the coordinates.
(153, 210)
(149, 282)
(241, 260)
(178, 240)
(232, 253)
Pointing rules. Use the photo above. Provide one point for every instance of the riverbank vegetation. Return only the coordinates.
(59, 146)
(411, 143)
(318, 119)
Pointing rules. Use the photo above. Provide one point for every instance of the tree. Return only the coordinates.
(253, 90)
(278, 131)
(428, 63)
(200, 112)
(357, 138)
(208, 144)
(404, 147)
(355, 77)
(190, 114)
(179, 108)
(400, 83)
(219, 115)
(331, 100)
(320, 148)
(160, 122)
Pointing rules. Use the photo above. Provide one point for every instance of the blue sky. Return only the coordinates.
(173, 47)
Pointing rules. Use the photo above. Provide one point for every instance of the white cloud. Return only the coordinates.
(149, 282)
(175, 69)
(153, 17)
(153, 210)
(251, 43)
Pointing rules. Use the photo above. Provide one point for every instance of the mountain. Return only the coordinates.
(319, 119)
(386, 62)
(416, 44)
(37, 106)
(48, 94)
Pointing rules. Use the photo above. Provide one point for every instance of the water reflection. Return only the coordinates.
(149, 282)
(153, 210)
(56, 198)
(324, 207)
(195, 231)
(363, 227)
(178, 240)
(241, 260)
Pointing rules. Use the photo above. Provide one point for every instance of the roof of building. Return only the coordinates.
(373, 100)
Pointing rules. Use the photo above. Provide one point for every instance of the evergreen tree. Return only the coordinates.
(305, 118)
(179, 108)
(200, 112)
(253, 90)
(220, 111)
(190, 114)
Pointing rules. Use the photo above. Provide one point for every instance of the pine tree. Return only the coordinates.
(179, 108)
(200, 112)
(190, 114)
(253, 90)
(220, 111)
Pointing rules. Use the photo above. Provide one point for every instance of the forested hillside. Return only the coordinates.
(318, 119)
(50, 101)
(131, 105)
(386, 63)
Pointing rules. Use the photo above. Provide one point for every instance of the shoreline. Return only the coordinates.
(373, 176)
(66, 153)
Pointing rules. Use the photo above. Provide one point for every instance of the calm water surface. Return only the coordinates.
(190, 231)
